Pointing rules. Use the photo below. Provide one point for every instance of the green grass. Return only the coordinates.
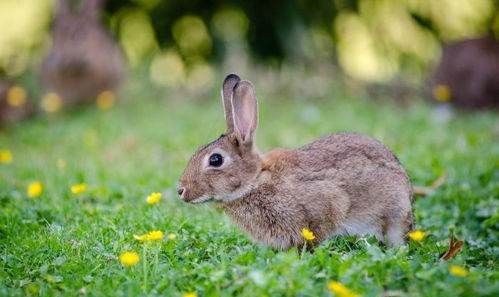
(66, 244)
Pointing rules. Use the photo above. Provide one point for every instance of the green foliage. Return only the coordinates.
(66, 244)
(391, 37)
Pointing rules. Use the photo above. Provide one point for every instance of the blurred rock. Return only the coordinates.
(468, 74)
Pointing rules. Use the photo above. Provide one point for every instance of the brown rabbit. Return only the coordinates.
(84, 60)
(340, 184)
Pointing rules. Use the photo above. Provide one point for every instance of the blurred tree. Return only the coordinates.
(372, 40)
(390, 34)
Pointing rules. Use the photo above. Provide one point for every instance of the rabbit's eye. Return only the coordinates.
(216, 160)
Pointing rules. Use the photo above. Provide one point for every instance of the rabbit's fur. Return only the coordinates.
(340, 184)
(84, 59)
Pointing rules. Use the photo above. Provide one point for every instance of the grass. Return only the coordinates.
(67, 244)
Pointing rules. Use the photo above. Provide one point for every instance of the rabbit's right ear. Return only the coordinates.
(62, 8)
(227, 92)
(245, 112)
(92, 8)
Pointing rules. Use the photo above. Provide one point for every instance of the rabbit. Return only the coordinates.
(469, 69)
(84, 59)
(341, 184)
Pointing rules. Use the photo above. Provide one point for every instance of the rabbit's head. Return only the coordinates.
(73, 16)
(226, 168)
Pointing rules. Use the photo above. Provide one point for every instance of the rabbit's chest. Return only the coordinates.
(276, 224)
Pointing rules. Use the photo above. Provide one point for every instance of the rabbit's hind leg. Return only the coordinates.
(394, 235)
(396, 229)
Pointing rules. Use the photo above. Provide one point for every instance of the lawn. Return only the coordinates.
(62, 243)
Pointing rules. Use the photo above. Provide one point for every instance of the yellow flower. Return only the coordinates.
(78, 188)
(153, 235)
(5, 156)
(172, 236)
(416, 235)
(16, 96)
(190, 294)
(442, 93)
(340, 290)
(307, 234)
(458, 271)
(51, 102)
(105, 100)
(35, 189)
(129, 258)
(153, 198)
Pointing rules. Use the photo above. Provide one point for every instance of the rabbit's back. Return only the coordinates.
(358, 164)
(349, 156)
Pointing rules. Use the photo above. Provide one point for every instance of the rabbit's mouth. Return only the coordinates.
(189, 196)
(201, 199)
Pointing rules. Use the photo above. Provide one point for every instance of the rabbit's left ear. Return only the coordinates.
(244, 112)
(227, 92)
(62, 8)
(92, 8)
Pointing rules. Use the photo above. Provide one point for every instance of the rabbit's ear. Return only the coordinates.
(245, 112)
(92, 8)
(227, 92)
(62, 8)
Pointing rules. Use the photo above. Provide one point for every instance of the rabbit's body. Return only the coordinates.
(84, 59)
(332, 186)
(340, 184)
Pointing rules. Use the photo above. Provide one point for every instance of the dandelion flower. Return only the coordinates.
(190, 294)
(340, 290)
(16, 96)
(105, 100)
(5, 156)
(78, 188)
(129, 259)
(416, 235)
(51, 102)
(458, 271)
(307, 234)
(151, 236)
(442, 93)
(34, 189)
(153, 198)
(172, 236)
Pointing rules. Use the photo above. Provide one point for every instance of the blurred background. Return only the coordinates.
(56, 53)
(103, 102)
